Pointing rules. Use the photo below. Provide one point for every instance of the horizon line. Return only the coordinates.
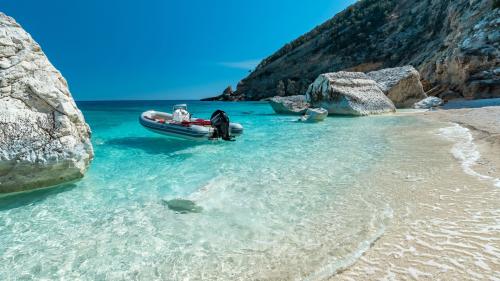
(141, 100)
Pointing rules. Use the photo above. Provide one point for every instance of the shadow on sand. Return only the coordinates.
(154, 145)
(32, 197)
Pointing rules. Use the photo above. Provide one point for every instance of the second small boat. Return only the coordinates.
(180, 124)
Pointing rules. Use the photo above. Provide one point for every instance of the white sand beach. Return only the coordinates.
(446, 219)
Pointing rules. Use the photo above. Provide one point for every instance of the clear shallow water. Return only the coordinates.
(286, 200)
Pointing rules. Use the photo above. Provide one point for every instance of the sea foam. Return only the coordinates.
(465, 150)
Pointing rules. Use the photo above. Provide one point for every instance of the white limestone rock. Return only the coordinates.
(314, 115)
(44, 139)
(428, 103)
(348, 93)
(401, 84)
(294, 105)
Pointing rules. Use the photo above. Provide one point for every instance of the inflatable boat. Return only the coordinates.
(180, 124)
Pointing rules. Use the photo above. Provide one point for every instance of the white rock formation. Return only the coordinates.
(44, 139)
(348, 93)
(401, 84)
(428, 103)
(289, 105)
(314, 115)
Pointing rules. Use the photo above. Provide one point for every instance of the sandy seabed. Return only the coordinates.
(446, 207)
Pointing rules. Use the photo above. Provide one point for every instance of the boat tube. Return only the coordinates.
(180, 124)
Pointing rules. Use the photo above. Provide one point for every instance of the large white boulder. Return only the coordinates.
(401, 84)
(295, 105)
(348, 93)
(44, 139)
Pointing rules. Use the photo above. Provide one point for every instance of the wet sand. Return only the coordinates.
(446, 208)
(484, 124)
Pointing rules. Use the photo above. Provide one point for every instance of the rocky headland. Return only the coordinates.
(454, 45)
(44, 139)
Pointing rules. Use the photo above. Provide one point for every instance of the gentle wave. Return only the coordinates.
(465, 150)
(334, 267)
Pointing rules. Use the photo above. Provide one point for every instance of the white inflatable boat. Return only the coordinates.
(180, 124)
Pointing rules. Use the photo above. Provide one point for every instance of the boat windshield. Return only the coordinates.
(180, 106)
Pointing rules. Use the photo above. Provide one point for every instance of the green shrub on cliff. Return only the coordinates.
(345, 29)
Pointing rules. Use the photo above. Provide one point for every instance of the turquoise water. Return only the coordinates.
(286, 200)
(456, 104)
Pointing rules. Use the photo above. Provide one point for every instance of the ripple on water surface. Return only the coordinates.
(286, 200)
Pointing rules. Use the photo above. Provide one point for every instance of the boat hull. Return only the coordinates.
(180, 131)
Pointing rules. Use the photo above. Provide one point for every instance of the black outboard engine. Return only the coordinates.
(220, 122)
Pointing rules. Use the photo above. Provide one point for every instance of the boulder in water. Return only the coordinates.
(348, 93)
(401, 84)
(294, 105)
(44, 139)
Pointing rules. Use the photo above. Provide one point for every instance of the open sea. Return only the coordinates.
(286, 200)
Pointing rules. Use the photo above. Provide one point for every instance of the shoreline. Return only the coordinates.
(424, 211)
(447, 224)
(484, 126)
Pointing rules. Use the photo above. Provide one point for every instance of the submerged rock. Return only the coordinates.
(428, 103)
(401, 84)
(289, 105)
(183, 206)
(44, 139)
(348, 93)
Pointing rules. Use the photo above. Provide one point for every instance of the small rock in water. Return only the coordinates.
(314, 115)
(293, 105)
(183, 206)
(428, 103)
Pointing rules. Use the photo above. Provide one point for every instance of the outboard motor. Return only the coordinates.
(220, 122)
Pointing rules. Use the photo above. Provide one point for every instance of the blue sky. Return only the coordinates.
(160, 49)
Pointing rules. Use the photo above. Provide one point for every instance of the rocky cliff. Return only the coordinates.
(44, 139)
(453, 43)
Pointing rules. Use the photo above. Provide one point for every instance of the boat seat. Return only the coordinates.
(181, 115)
